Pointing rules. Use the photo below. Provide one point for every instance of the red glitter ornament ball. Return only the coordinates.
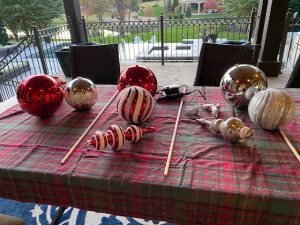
(140, 76)
(40, 95)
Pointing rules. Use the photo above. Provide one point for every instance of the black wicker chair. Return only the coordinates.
(216, 59)
(99, 63)
(294, 80)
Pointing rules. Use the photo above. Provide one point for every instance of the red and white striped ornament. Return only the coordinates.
(115, 136)
(135, 104)
(100, 140)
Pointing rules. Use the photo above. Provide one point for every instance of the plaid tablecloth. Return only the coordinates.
(210, 181)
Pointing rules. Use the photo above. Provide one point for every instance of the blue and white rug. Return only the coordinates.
(34, 214)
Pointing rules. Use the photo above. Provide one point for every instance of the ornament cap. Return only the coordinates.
(245, 132)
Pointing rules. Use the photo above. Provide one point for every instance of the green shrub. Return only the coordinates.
(181, 16)
(3, 34)
(188, 12)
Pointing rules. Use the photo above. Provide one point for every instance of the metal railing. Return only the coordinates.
(180, 40)
(35, 54)
(290, 45)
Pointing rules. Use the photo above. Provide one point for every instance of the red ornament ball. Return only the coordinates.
(63, 83)
(40, 95)
(135, 104)
(138, 76)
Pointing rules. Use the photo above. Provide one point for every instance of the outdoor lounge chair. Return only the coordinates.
(216, 59)
(294, 80)
(99, 63)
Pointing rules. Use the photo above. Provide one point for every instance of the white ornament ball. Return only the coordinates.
(271, 109)
(135, 104)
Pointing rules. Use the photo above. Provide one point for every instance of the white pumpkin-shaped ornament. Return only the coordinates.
(272, 108)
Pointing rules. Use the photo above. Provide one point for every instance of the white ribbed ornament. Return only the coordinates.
(271, 109)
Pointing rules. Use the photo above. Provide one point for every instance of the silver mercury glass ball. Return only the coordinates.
(81, 93)
(240, 83)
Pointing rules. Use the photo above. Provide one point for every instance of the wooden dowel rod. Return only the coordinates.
(173, 137)
(289, 144)
(87, 129)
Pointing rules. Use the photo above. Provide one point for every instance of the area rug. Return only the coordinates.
(35, 214)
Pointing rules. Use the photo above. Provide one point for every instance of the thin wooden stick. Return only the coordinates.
(87, 129)
(173, 137)
(289, 144)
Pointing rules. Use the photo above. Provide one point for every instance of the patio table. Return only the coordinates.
(210, 181)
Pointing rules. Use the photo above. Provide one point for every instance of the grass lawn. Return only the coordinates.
(172, 35)
(156, 6)
(156, 10)
(146, 4)
(211, 15)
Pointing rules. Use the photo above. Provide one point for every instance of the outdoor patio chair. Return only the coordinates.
(216, 59)
(294, 80)
(99, 63)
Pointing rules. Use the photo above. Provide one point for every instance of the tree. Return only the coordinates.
(116, 8)
(188, 12)
(148, 11)
(88, 7)
(239, 8)
(175, 3)
(93, 7)
(211, 4)
(134, 5)
(18, 15)
(3, 34)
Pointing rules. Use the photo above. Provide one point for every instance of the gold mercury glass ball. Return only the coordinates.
(239, 84)
(81, 94)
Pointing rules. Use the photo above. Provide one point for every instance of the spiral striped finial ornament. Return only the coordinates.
(232, 130)
(115, 136)
(135, 104)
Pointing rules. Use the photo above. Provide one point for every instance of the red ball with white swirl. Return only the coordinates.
(116, 137)
(135, 104)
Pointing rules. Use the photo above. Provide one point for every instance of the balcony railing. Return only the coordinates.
(290, 47)
(35, 54)
(182, 39)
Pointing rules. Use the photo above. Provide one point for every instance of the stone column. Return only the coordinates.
(72, 9)
(260, 21)
(199, 7)
(271, 37)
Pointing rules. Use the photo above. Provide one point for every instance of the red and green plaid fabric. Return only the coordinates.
(210, 181)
